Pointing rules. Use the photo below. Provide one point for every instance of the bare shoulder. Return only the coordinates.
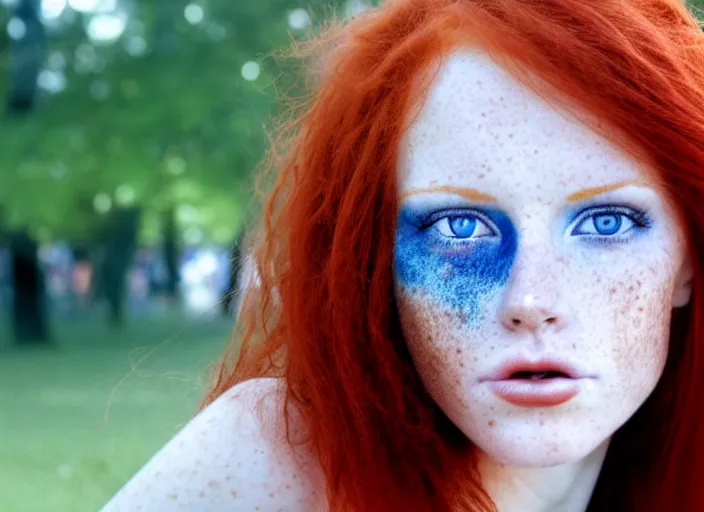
(232, 456)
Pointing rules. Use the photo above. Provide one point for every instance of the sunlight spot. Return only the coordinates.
(250, 71)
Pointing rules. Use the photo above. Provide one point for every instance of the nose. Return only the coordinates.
(533, 299)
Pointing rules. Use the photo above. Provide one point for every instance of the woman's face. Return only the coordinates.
(536, 267)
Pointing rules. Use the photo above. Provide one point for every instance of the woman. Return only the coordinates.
(480, 275)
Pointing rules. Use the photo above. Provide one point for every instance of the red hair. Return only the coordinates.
(324, 317)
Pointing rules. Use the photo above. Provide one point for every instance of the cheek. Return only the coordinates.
(445, 351)
(636, 343)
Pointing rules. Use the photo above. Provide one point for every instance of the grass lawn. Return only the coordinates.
(77, 420)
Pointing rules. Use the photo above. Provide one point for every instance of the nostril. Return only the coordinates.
(516, 322)
(550, 320)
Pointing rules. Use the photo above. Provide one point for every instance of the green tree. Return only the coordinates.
(166, 119)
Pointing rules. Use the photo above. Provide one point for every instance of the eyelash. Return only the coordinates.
(433, 218)
(639, 218)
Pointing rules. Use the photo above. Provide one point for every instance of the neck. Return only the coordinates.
(563, 488)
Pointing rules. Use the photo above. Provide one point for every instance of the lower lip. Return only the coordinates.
(536, 393)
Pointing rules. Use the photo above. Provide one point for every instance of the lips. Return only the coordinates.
(543, 382)
(543, 368)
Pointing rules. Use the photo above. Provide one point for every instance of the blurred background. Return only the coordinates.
(130, 133)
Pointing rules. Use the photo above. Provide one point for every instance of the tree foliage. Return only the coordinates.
(163, 117)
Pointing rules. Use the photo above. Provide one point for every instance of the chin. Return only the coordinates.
(537, 447)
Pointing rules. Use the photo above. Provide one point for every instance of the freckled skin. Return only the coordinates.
(464, 308)
(467, 305)
(228, 458)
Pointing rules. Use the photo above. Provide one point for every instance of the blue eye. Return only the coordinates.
(610, 222)
(607, 224)
(463, 227)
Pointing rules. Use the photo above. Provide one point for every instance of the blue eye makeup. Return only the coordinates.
(457, 255)
(461, 224)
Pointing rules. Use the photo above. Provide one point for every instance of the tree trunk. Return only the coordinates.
(121, 239)
(26, 57)
(231, 297)
(29, 306)
(171, 255)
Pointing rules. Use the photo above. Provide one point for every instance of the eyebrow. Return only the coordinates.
(595, 191)
(476, 195)
(467, 193)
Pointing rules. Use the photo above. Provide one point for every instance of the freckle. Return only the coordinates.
(458, 350)
(475, 359)
(213, 484)
(173, 496)
(481, 176)
(542, 423)
(461, 365)
(271, 494)
(201, 494)
(574, 345)
(640, 309)
(233, 494)
(612, 290)
(492, 423)
(631, 288)
(288, 486)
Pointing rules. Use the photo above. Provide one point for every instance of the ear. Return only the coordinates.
(682, 292)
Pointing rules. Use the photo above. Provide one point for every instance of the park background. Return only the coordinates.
(130, 132)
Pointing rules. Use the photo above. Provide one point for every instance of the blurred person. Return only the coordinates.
(479, 275)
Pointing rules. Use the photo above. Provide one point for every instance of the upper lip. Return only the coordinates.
(538, 365)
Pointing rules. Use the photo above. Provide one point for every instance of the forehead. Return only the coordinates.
(479, 126)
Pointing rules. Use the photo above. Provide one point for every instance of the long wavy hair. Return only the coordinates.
(322, 315)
